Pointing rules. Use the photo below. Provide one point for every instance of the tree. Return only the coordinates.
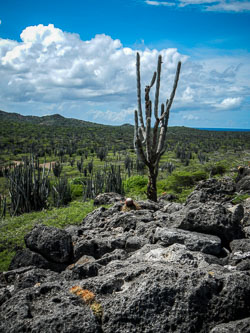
(149, 143)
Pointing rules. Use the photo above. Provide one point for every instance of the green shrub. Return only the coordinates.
(218, 168)
(77, 181)
(180, 179)
(135, 185)
(76, 191)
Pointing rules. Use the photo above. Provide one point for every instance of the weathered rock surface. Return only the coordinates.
(237, 326)
(108, 198)
(243, 180)
(162, 268)
(194, 241)
(51, 243)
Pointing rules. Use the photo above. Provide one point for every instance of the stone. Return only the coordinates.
(108, 198)
(213, 218)
(213, 189)
(194, 241)
(86, 270)
(25, 258)
(134, 243)
(237, 326)
(242, 245)
(52, 243)
(166, 267)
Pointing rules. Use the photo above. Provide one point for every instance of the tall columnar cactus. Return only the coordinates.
(29, 187)
(149, 142)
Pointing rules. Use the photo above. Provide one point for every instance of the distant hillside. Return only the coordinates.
(50, 120)
(54, 134)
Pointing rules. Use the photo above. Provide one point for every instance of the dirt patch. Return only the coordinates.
(47, 164)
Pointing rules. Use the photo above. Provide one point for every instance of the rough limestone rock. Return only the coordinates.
(161, 269)
(26, 257)
(237, 326)
(243, 180)
(215, 219)
(213, 190)
(194, 241)
(108, 198)
(52, 243)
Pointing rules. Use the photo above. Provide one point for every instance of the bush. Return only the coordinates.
(135, 185)
(187, 179)
(218, 168)
(77, 181)
(76, 191)
(179, 180)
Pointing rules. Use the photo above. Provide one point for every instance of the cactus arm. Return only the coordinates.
(148, 139)
(138, 76)
(177, 74)
(140, 151)
(157, 89)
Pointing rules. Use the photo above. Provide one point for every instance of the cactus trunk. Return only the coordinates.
(151, 187)
(150, 143)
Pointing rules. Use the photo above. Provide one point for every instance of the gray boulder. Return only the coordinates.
(237, 326)
(213, 190)
(213, 218)
(162, 268)
(108, 198)
(194, 241)
(52, 243)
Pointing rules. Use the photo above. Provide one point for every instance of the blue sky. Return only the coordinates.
(77, 58)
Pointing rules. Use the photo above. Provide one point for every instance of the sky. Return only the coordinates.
(77, 58)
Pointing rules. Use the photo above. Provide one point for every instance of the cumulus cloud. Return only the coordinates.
(52, 66)
(208, 5)
(53, 71)
(188, 95)
(229, 103)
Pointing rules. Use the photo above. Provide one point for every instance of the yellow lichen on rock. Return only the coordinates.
(89, 298)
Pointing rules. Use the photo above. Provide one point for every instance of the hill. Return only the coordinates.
(55, 134)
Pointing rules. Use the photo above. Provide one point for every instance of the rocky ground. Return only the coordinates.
(166, 267)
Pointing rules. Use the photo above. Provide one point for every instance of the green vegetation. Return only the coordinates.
(136, 186)
(13, 229)
(239, 198)
(92, 158)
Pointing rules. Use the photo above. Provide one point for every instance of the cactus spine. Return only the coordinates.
(149, 142)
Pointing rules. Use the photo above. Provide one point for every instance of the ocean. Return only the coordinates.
(224, 129)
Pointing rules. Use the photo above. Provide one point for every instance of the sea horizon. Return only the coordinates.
(223, 129)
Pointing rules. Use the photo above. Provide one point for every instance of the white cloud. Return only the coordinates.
(51, 66)
(190, 117)
(159, 3)
(208, 5)
(183, 3)
(53, 71)
(0, 21)
(112, 116)
(230, 6)
(229, 103)
(188, 95)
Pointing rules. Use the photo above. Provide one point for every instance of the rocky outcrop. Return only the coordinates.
(167, 267)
